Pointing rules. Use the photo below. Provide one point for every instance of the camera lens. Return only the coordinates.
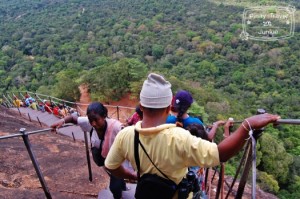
(190, 176)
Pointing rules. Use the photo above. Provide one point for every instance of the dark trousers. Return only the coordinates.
(116, 186)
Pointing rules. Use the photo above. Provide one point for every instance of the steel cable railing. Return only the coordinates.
(121, 112)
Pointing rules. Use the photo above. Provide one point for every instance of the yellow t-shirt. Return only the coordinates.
(172, 149)
(17, 102)
(33, 105)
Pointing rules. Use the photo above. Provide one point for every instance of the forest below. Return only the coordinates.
(53, 46)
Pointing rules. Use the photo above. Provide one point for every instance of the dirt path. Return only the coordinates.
(85, 98)
(121, 109)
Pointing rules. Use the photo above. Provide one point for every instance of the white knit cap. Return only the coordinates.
(156, 92)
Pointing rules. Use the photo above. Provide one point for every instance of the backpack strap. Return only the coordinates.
(136, 155)
(101, 141)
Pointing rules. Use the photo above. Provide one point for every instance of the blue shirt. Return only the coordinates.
(187, 121)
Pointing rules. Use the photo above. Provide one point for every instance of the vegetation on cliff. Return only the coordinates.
(54, 46)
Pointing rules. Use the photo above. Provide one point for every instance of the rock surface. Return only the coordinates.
(61, 160)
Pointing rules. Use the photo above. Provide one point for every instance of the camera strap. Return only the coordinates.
(136, 155)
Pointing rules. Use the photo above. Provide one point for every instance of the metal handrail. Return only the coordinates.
(10, 104)
(22, 133)
(74, 104)
(31, 132)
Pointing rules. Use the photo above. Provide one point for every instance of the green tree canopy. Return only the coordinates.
(275, 159)
(112, 81)
(67, 85)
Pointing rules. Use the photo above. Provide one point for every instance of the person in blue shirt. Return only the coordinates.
(180, 105)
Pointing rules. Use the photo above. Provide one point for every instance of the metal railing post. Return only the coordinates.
(118, 112)
(29, 117)
(245, 173)
(21, 95)
(73, 136)
(10, 98)
(88, 156)
(39, 121)
(35, 163)
(19, 111)
(7, 101)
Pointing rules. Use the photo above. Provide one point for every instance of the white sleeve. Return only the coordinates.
(84, 124)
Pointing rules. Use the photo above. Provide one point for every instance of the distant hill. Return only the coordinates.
(52, 47)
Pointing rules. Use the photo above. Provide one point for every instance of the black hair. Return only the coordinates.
(180, 111)
(139, 111)
(96, 109)
(197, 130)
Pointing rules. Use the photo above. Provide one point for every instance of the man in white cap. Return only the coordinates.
(172, 149)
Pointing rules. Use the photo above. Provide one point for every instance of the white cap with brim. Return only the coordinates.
(156, 92)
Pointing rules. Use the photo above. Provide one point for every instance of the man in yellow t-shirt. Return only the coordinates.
(162, 138)
(171, 148)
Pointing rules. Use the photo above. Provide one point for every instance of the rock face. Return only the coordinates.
(62, 162)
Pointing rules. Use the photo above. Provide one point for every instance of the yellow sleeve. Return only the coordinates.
(115, 155)
(201, 152)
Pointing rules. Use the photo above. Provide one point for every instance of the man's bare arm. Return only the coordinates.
(122, 172)
(232, 144)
